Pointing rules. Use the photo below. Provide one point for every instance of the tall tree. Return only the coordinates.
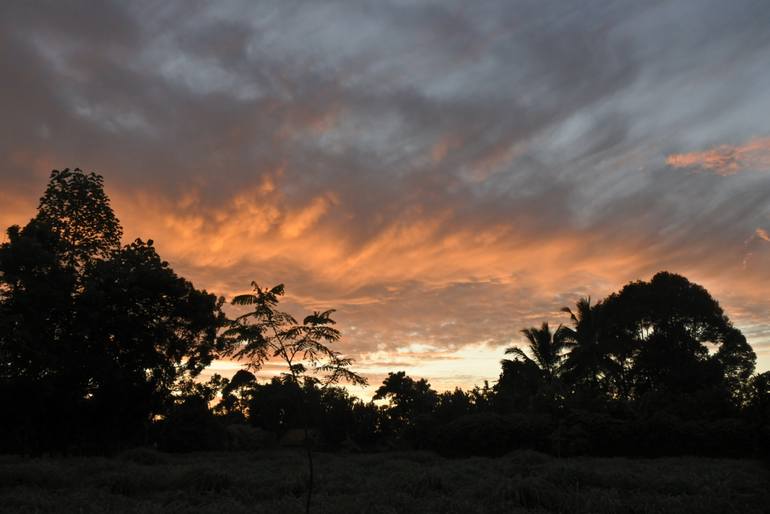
(266, 332)
(77, 209)
(146, 329)
(92, 335)
(674, 339)
(678, 322)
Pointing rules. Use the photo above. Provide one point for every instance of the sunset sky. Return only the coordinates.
(442, 173)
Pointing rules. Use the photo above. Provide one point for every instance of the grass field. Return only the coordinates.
(143, 481)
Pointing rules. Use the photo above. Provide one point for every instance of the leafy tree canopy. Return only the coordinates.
(145, 321)
(409, 397)
(77, 209)
(97, 336)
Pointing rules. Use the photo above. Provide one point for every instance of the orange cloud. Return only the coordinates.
(727, 160)
(17, 210)
(301, 220)
(424, 291)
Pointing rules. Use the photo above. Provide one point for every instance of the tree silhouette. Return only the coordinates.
(266, 332)
(587, 358)
(737, 359)
(409, 398)
(94, 337)
(670, 323)
(546, 349)
(453, 404)
(146, 329)
(101, 346)
(235, 394)
(757, 401)
(40, 362)
(76, 208)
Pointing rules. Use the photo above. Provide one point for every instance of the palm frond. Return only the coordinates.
(244, 299)
(518, 352)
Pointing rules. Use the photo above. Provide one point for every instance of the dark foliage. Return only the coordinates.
(100, 347)
(190, 426)
(76, 209)
(94, 337)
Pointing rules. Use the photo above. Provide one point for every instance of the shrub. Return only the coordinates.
(190, 426)
(474, 434)
(242, 437)
(491, 434)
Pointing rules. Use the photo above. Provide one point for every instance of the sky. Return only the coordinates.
(442, 173)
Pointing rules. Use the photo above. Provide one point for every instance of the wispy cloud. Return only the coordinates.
(727, 160)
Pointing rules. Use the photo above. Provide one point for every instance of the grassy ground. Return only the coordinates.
(142, 481)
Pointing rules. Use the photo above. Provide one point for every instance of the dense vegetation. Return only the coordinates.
(101, 344)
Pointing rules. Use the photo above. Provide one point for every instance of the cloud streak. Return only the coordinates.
(727, 160)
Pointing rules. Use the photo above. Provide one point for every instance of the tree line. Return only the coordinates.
(102, 346)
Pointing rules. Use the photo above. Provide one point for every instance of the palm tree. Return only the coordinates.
(586, 359)
(546, 349)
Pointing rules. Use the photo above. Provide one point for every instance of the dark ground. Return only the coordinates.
(144, 481)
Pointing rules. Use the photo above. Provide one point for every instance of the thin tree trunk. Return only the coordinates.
(308, 448)
(303, 411)
(309, 451)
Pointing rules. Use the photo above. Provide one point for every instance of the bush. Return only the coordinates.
(247, 438)
(591, 433)
(190, 426)
(475, 434)
(490, 434)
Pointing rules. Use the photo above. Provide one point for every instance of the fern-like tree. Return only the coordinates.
(546, 348)
(265, 332)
